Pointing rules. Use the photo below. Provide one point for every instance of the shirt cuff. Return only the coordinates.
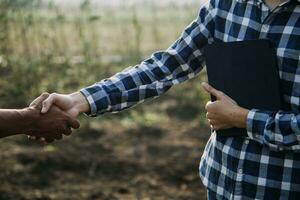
(250, 117)
(254, 124)
(97, 99)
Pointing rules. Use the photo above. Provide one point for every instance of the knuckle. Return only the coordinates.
(53, 95)
(65, 131)
(45, 94)
(59, 136)
(209, 115)
(64, 128)
(69, 132)
(208, 105)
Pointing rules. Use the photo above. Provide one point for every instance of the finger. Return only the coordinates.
(49, 140)
(215, 127)
(208, 105)
(208, 88)
(218, 127)
(48, 102)
(221, 126)
(31, 137)
(211, 121)
(58, 136)
(38, 101)
(228, 98)
(210, 115)
(36, 138)
(36, 135)
(41, 140)
(73, 123)
(67, 131)
(211, 107)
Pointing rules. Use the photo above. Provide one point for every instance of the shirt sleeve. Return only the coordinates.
(280, 131)
(154, 76)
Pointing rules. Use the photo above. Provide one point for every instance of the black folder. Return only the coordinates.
(246, 71)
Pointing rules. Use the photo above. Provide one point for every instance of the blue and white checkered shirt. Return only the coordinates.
(266, 164)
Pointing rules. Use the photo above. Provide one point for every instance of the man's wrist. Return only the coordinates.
(29, 116)
(80, 102)
(17, 121)
(240, 117)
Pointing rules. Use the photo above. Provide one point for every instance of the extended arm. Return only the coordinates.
(156, 75)
(30, 121)
(153, 77)
(14, 122)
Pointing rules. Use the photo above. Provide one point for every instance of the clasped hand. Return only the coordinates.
(57, 114)
(224, 113)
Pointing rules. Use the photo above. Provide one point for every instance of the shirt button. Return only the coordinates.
(240, 171)
(264, 28)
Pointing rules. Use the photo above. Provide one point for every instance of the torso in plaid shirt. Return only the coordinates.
(266, 165)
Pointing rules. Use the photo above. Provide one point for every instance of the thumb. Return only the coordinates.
(48, 103)
(39, 100)
(211, 90)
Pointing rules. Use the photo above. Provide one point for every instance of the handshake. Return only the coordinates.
(51, 116)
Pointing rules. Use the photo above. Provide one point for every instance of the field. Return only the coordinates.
(149, 152)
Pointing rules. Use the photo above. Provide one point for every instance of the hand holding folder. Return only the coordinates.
(247, 72)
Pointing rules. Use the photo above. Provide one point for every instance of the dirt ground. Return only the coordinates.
(110, 163)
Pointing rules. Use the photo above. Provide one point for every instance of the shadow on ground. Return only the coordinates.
(111, 163)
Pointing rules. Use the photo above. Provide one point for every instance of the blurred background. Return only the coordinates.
(149, 152)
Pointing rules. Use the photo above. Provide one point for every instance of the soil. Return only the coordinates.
(107, 163)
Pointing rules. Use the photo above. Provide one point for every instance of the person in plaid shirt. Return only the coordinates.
(264, 165)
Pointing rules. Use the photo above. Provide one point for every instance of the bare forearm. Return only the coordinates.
(14, 122)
